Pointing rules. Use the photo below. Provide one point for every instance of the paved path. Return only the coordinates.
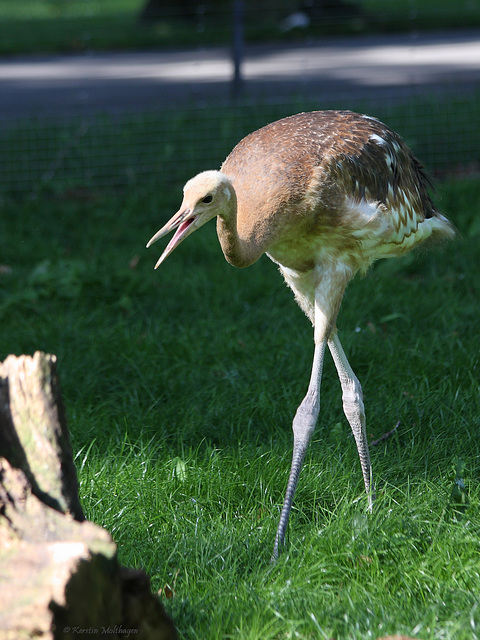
(364, 65)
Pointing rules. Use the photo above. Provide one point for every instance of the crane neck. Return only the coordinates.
(238, 251)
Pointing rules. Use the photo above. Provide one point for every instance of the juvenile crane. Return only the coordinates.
(323, 194)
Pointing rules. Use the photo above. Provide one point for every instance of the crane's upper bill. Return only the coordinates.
(184, 226)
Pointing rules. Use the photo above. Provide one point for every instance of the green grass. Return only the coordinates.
(180, 387)
(32, 26)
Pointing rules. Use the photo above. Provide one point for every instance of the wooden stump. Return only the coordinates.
(59, 574)
(33, 431)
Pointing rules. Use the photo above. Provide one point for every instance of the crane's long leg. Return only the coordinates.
(303, 427)
(352, 397)
(329, 290)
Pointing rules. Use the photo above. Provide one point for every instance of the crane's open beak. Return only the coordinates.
(184, 223)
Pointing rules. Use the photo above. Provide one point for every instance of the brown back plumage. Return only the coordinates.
(279, 160)
(323, 167)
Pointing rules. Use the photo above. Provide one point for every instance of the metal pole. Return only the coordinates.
(237, 50)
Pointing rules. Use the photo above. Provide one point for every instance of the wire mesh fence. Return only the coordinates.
(115, 151)
(112, 150)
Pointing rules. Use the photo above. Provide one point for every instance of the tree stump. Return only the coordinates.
(59, 574)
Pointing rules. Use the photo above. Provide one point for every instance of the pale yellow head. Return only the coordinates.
(207, 195)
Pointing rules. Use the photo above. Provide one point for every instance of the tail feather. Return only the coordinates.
(442, 227)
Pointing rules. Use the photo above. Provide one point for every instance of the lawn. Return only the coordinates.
(33, 26)
(180, 386)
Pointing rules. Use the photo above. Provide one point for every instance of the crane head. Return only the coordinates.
(205, 196)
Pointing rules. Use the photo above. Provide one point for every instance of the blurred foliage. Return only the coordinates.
(80, 25)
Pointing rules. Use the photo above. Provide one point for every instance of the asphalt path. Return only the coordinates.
(360, 66)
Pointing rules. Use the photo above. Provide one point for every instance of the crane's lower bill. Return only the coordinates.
(184, 227)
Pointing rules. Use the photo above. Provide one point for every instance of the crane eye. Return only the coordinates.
(207, 199)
